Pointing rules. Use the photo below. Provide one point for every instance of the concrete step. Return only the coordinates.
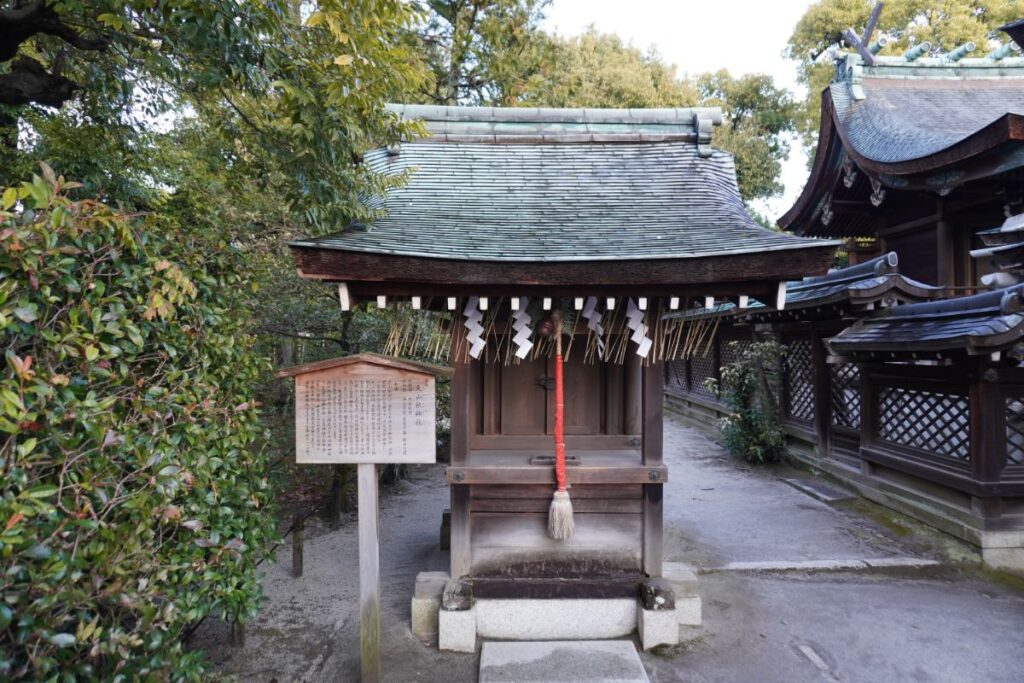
(561, 661)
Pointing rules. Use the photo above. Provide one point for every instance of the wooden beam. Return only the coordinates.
(423, 276)
(582, 474)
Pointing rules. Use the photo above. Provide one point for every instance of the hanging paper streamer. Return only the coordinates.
(635, 322)
(521, 324)
(593, 317)
(475, 329)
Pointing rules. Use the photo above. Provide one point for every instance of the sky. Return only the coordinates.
(743, 36)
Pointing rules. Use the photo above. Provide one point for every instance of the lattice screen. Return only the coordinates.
(1014, 431)
(676, 378)
(845, 390)
(731, 351)
(928, 420)
(799, 378)
(701, 368)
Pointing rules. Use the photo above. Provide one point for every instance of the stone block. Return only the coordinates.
(431, 584)
(456, 630)
(559, 619)
(689, 610)
(424, 617)
(595, 661)
(682, 576)
(657, 627)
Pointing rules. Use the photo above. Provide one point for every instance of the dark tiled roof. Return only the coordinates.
(574, 201)
(530, 126)
(929, 124)
(977, 324)
(902, 119)
(844, 290)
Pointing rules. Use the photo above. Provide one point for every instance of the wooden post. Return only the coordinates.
(868, 413)
(945, 267)
(297, 532)
(369, 574)
(460, 426)
(653, 397)
(987, 424)
(632, 405)
(822, 395)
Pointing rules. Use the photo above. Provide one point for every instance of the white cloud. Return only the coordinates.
(743, 36)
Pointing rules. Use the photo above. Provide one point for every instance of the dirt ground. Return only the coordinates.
(947, 622)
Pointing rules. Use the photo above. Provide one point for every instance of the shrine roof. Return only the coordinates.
(562, 186)
(844, 290)
(978, 324)
(931, 123)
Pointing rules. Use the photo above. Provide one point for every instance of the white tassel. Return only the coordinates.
(560, 522)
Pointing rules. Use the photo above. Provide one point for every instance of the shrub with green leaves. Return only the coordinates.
(133, 497)
(751, 430)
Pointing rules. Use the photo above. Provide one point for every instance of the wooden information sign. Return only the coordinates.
(366, 410)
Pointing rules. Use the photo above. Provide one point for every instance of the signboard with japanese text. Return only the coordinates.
(364, 413)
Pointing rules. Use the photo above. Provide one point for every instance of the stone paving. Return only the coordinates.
(794, 589)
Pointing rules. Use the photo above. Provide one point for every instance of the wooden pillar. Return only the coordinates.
(460, 426)
(945, 247)
(614, 395)
(987, 432)
(632, 422)
(822, 395)
(369, 574)
(868, 413)
(651, 453)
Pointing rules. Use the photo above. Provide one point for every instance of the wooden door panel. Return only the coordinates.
(584, 397)
(523, 398)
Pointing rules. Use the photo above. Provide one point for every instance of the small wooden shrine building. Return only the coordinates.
(616, 217)
(903, 374)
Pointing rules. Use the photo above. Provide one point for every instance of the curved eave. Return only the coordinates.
(823, 176)
(1007, 128)
(826, 169)
(969, 344)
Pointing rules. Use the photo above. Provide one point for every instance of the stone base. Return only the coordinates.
(555, 619)
(657, 627)
(684, 581)
(1003, 550)
(601, 661)
(426, 603)
(456, 630)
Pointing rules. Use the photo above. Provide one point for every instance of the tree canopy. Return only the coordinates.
(299, 85)
(601, 70)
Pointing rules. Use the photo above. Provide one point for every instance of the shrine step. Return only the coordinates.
(561, 661)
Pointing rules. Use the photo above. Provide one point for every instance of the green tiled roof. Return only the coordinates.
(647, 192)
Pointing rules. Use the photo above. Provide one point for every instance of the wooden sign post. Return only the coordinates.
(366, 410)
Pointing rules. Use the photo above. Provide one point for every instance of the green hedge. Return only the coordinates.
(132, 494)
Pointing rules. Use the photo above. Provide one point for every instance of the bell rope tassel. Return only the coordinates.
(560, 521)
